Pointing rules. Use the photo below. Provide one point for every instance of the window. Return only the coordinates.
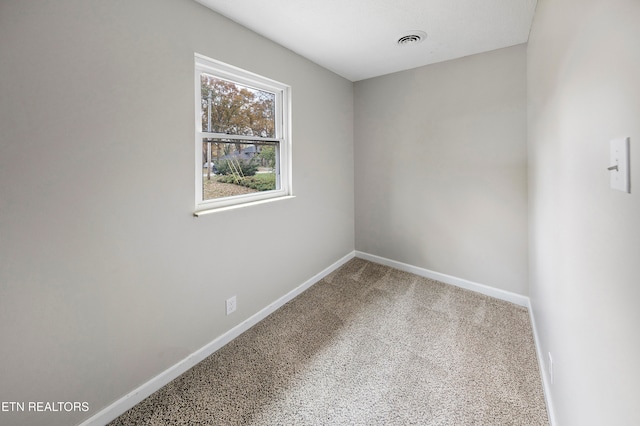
(242, 136)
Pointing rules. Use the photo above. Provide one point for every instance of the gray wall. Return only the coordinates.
(583, 90)
(106, 278)
(440, 161)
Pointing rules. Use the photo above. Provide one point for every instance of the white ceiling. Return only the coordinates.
(358, 38)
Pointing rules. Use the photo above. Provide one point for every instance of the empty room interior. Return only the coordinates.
(425, 157)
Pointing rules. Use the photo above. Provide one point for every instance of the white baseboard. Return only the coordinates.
(541, 364)
(508, 296)
(134, 397)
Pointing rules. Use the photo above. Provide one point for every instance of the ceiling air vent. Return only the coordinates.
(413, 37)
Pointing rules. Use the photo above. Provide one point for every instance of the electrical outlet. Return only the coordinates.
(550, 368)
(231, 305)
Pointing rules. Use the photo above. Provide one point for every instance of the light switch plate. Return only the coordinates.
(619, 164)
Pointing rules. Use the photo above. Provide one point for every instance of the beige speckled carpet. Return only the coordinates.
(367, 345)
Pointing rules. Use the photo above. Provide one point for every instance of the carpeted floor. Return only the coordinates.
(367, 345)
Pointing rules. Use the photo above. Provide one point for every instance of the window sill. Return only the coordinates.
(242, 205)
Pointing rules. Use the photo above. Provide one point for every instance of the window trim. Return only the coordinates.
(282, 140)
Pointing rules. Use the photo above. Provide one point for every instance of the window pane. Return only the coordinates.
(234, 109)
(237, 167)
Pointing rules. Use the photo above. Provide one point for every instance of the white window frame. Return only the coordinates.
(282, 140)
